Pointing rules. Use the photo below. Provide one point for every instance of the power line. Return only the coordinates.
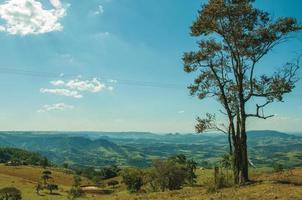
(41, 74)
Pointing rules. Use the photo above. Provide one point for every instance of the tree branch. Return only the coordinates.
(258, 115)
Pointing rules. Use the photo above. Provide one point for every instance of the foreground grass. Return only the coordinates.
(266, 186)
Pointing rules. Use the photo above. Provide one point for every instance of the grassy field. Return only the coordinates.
(266, 186)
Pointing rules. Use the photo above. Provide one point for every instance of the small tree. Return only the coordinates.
(65, 165)
(10, 193)
(109, 172)
(167, 174)
(76, 190)
(191, 166)
(45, 163)
(46, 175)
(133, 178)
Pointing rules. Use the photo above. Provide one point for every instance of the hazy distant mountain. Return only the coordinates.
(269, 133)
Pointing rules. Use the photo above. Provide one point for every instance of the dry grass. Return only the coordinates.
(267, 186)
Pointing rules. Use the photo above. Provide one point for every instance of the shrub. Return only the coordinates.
(166, 174)
(218, 181)
(113, 183)
(278, 167)
(109, 172)
(76, 190)
(133, 178)
(172, 174)
(51, 187)
(10, 193)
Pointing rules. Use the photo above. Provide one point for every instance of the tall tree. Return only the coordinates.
(233, 36)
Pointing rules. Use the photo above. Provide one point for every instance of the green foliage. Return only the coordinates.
(172, 174)
(133, 178)
(10, 193)
(14, 156)
(265, 147)
(97, 175)
(51, 187)
(218, 181)
(65, 165)
(113, 183)
(109, 172)
(227, 161)
(45, 163)
(167, 174)
(278, 167)
(191, 168)
(76, 190)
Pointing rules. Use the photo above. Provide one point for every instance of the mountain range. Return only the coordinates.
(140, 148)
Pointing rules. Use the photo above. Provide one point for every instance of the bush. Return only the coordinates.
(278, 167)
(113, 183)
(133, 178)
(76, 190)
(51, 187)
(109, 172)
(166, 174)
(74, 193)
(172, 174)
(10, 193)
(219, 180)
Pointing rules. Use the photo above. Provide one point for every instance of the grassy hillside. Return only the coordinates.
(266, 186)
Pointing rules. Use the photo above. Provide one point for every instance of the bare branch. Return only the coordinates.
(260, 108)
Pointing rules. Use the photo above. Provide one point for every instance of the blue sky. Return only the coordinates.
(89, 65)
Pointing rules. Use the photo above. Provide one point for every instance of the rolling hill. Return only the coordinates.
(139, 149)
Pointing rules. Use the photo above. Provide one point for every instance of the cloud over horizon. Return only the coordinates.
(58, 106)
(62, 92)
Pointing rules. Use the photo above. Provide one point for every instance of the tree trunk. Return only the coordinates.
(244, 175)
(230, 141)
(245, 163)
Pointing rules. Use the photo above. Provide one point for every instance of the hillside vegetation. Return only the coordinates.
(99, 149)
(14, 156)
(267, 185)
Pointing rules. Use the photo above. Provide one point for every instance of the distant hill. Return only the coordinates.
(139, 149)
(269, 133)
(20, 156)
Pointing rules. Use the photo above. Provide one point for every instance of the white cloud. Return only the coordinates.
(57, 83)
(91, 86)
(56, 3)
(24, 17)
(73, 88)
(62, 92)
(100, 10)
(58, 106)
